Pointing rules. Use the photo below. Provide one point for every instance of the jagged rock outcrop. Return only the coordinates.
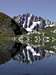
(31, 22)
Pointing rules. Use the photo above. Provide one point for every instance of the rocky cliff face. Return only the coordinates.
(30, 22)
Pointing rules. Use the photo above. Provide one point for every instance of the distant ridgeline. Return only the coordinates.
(31, 22)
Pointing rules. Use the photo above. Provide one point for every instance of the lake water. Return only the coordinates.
(25, 59)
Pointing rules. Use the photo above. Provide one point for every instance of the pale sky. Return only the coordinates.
(44, 8)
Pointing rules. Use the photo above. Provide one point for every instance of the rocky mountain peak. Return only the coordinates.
(30, 22)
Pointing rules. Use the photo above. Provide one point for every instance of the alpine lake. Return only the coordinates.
(31, 53)
(28, 54)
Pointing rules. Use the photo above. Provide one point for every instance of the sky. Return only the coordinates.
(44, 8)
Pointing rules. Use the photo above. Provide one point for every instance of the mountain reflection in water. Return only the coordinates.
(24, 53)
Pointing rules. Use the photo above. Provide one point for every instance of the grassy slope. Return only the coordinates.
(6, 32)
(41, 39)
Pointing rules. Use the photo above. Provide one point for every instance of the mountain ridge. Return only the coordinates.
(30, 22)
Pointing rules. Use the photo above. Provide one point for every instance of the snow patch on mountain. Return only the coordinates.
(30, 22)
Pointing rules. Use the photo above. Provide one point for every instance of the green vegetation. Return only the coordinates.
(10, 33)
(9, 30)
(45, 38)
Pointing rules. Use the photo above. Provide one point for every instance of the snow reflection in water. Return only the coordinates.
(29, 54)
(24, 53)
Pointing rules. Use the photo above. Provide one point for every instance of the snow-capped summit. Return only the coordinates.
(30, 22)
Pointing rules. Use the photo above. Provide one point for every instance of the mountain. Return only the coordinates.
(8, 30)
(33, 46)
(30, 22)
(8, 25)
